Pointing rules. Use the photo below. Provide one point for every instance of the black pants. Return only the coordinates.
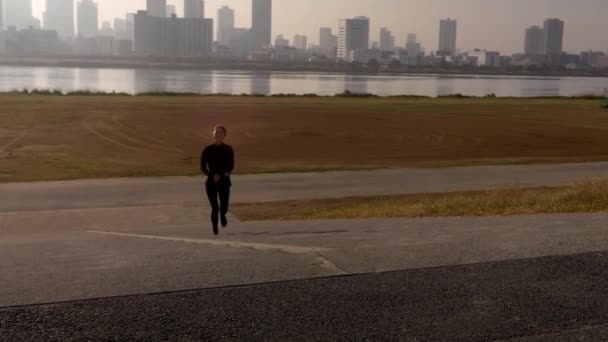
(218, 191)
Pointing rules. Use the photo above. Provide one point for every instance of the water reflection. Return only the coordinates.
(261, 84)
(444, 85)
(239, 82)
(223, 83)
(355, 84)
(87, 79)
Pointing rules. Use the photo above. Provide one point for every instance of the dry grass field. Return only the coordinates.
(585, 197)
(68, 137)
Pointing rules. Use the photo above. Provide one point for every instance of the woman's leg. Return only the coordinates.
(224, 193)
(212, 194)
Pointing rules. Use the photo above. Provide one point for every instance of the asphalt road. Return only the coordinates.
(425, 279)
(58, 256)
(271, 187)
(548, 299)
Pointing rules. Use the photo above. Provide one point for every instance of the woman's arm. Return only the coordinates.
(204, 163)
(230, 166)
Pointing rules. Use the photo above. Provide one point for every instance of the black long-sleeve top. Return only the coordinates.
(217, 159)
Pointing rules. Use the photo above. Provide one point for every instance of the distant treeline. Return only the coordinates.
(346, 94)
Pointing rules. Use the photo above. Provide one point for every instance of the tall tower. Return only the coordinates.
(87, 18)
(18, 13)
(261, 19)
(157, 8)
(553, 40)
(328, 42)
(1, 16)
(59, 16)
(387, 40)
(534, 41)
(448, 30)
(194, 8)
(353, 34)
(225, 25)
(553, 36)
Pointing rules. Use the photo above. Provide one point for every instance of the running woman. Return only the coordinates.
(217, 163)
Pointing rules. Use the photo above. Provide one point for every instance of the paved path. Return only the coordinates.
(254, 188)
(63, 241)
(548, 299)
(68, 255)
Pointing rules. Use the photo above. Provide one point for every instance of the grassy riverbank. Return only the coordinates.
(66, 137)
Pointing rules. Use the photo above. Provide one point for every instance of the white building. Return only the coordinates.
(387, 40)
(414, 53)
(225, 25)
(240, 42)
(484, 58)
(172, 37)
(18, 13)
(300, 42)
(88, 19)
(157, 8)
(59, 16)
(194, 9)
(363, 55)
(120, 29)
(448, 31)
(328, 42)
(353, 34)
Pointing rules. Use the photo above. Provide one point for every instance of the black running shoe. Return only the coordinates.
(224, 221)
(216, 231)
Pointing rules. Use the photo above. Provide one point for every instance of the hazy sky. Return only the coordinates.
(487, 24)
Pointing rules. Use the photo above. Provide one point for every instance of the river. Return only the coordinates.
(248, 82)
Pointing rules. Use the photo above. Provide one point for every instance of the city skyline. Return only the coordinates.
(503, 25)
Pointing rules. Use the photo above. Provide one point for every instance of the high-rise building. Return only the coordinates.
(261, 29)
(534, 41)
(353, 34)
(106, 29)
(1, 16)
(59, 16)
(120, 25)
(172, 37)
(300, 42)
(281, 42)
(171, 11)
(120, 29)
(413, 50)
(448, 30)
(194, 8)
(225, 25)
(87, 18)
(328, 42)
(130, 18)
(387, 40)
(18, 13)
(553, 37)
(411, 38)
(157, 8)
